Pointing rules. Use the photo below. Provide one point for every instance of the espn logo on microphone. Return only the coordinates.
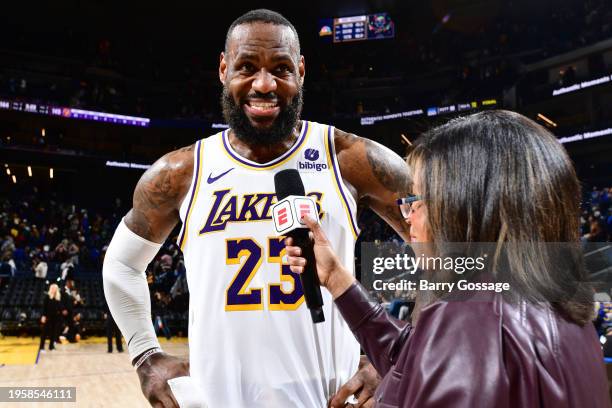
(287, 214)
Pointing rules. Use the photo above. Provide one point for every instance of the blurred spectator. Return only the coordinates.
(159, 307)
(75, 332)
(51, 317)
(112, 331)
(67, 271)
(67, 311)
(596, 233)
(7, 265)
(604, 200)
(180, 285)
(596, 216)
(40, 268)
(603, 320)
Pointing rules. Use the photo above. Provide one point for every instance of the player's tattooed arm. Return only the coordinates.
(159, 193)
(377, 176)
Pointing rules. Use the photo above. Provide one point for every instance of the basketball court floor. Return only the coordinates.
(101, 379)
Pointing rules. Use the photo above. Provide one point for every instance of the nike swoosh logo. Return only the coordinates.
(212, 179)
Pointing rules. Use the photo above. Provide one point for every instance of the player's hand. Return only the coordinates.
(154, 374)
(331, 273)
(363, 385)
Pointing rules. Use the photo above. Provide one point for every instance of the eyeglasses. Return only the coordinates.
(405, 204)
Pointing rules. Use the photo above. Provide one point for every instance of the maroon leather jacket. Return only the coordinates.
(478, 354)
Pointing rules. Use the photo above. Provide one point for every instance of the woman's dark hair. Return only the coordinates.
(497, 176)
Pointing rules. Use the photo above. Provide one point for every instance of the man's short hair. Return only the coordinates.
(262, 16)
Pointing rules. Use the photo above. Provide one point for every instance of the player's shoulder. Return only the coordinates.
(364, 162)
(159, 193)
(174, 170)
(348, 145)
(345, 143)
(350, 151)
(177, 161)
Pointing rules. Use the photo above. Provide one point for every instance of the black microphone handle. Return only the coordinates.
(309, 278)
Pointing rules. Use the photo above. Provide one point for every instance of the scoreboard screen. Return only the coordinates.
(350, 28)
(357, 28)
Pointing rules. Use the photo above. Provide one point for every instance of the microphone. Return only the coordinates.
(287, 213)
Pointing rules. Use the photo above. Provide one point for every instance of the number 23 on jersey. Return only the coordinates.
(249, 255)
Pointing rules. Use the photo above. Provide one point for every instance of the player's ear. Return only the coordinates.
(222, 68)
(302, 69)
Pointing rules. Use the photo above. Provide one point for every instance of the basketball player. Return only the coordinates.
(251, 339)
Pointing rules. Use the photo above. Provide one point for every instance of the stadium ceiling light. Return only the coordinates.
(8, 171)
(14, 179)
(43, 132)
(51, 172)
(30, 171)
(547, 120)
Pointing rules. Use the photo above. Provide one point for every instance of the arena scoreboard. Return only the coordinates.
(357, 28)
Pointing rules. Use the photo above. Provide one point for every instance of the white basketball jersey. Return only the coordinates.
(252, 342)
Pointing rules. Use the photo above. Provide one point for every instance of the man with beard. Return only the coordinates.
(251, 339)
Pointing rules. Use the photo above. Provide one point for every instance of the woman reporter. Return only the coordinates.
(494, 177)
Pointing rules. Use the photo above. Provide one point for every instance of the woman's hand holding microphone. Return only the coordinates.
(332, 274)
